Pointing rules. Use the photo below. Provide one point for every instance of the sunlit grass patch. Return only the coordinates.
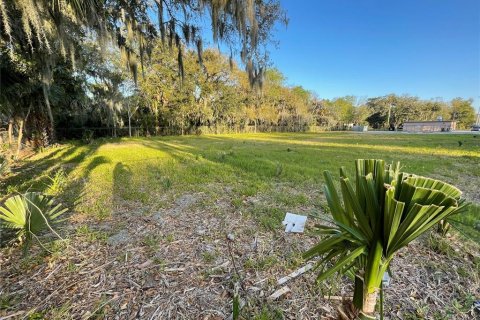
(108, 172)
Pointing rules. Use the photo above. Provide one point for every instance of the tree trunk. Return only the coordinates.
(129, 124)
(129, 128)
(20, 136)
(157, 122)
(49, 111)
(367, 283)
(10, 132)
(363, 301)
(183, 122)
(388, 116)
(369, 303)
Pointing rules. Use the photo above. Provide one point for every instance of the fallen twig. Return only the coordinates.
(295, 274)
(12, 315)
(337, 298)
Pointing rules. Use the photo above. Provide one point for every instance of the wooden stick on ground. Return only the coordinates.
(295, 274)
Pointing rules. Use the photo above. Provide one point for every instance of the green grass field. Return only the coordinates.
(244, 182)
(142, 169)
(157, 170)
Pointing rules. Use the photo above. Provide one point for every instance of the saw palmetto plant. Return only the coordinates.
(28, 214)
(376, 215)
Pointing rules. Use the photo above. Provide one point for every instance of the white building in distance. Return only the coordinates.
(429, 126)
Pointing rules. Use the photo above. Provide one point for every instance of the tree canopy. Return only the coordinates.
(46, 34)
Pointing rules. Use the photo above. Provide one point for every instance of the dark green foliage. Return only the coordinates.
(43, 49)
(236, 307)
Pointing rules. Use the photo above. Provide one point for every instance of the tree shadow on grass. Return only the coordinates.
(75, 190)
(202, 160)
(77, 162)
(32, 175)
(289, 162)
(123, 187)
(214, 164)
(35, 177)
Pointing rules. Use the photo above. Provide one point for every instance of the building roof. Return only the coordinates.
(430, 122)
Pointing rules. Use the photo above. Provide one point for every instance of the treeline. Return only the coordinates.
(212, 95)
(215, 96)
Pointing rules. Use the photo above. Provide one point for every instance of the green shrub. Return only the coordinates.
(57, 183)
(384, 212)
(87, 136)
(29, 214)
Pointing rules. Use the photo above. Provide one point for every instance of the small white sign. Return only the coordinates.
(386, 279)
(294, 222)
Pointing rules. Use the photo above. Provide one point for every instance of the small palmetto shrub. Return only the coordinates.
(57, 183)
(29, 214)
(443, 227)
(382, 211)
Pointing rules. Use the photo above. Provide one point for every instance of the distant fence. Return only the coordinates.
(97, 132)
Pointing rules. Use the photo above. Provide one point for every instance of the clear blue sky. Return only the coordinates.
(428, 48)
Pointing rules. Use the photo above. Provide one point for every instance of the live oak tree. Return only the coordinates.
(244, 25)
(393, 110)
(217, 94)
(463, 112)
(47, 31)
(21, 96)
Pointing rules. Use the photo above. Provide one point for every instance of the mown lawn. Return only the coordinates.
(241, 184)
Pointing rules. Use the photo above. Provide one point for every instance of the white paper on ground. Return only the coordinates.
(386, 279)
(294, 222)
